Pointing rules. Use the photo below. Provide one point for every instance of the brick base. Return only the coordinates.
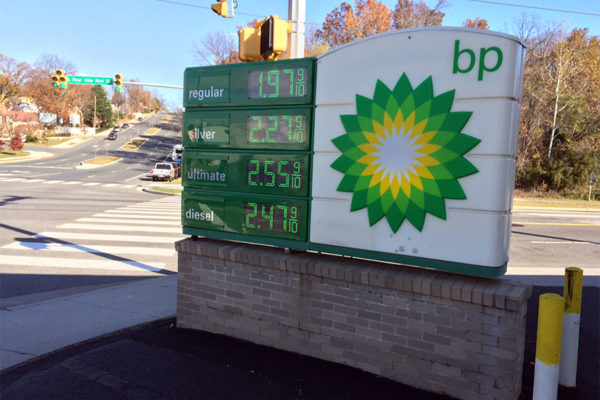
(451, 334)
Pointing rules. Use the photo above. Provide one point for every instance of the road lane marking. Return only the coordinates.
(545, 271)
(109, 237)
(78, 263)
(109, 214)
(129, 221)
(551, 224)
(44, 245)
(560, 242)
(120, 228)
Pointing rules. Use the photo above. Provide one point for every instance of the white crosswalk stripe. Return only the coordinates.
(11, 178)
(134, 240)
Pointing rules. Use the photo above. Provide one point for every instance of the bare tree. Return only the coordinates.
(216, 48)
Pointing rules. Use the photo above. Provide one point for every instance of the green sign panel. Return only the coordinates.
(89, 80)
(267, 173)
(216, 215)
(264, 128)
(248, 84)
(247, 135)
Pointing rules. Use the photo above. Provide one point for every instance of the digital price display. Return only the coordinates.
(271, 217)
(288, 129)
(268, 83)
(214, 214)
(277, 83)
(282, 173)
(285, 128)
(247, 134)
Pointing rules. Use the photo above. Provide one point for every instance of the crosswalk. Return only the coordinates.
(134, 240)
(9, 178)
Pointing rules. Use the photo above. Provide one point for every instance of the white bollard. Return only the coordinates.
(547, 349)
(570, 334)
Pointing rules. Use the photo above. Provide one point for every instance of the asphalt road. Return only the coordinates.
(103, 228)
(133, 167)
(546, 241)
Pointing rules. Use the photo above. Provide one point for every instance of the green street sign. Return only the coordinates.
(89, 80)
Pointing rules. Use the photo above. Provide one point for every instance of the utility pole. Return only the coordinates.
(94, 123)
(297, 15)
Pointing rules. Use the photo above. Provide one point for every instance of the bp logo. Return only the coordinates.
(403, 153)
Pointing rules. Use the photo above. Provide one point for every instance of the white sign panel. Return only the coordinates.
(415, 143)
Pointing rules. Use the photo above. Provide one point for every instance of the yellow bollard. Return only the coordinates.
(570, 337)
(547, 350)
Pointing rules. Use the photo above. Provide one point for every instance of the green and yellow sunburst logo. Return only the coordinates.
(402, 153)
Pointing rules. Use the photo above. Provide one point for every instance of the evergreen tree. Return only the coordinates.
(104, 114)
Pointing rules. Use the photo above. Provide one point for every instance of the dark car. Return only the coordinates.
(112, 136)
(125, 126)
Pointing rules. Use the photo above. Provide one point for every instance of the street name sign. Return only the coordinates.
(89, 80)
(398, 147)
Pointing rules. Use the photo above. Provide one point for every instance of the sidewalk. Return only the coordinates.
(157, 360)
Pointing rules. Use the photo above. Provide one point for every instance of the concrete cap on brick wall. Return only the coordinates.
(491, 292)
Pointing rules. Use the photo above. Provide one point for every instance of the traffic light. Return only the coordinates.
(118, 83)
(249, 44)
(220, 8)
(273, 37)
(59, 79)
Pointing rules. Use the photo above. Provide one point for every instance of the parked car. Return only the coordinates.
(112, 136)
(125, 126)
(177, 165)
(117, 128)
(163, 170)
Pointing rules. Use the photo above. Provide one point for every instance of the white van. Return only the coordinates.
(177, 152)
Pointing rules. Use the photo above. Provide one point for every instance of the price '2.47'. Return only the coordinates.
(278, 218)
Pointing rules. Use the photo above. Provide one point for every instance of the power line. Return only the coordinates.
(178, 3)
(537, 8)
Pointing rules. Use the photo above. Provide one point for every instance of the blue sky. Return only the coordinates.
(153, 40)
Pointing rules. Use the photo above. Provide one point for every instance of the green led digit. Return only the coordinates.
(291, 73)
(260, 85)
(288, 118)
(269, 130)
(296, 176)
(269, 173)
(252, 138)
(284, 174)
(268, 216)
(251, 215)
(299, 129)
(284, 209)
(294, 220)
(273, 83)
(252, 173)
(300, 83)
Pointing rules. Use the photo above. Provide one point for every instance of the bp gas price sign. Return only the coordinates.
(406, 156)
(247, 134)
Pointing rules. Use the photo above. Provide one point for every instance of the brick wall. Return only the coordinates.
(451, 334)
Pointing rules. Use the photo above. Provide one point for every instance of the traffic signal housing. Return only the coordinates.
(268, 41)
(249, 44)
(273, 37)
(59, 79)
(118, 83)
(220, 8)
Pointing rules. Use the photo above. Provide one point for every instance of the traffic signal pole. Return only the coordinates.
(297, 16)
